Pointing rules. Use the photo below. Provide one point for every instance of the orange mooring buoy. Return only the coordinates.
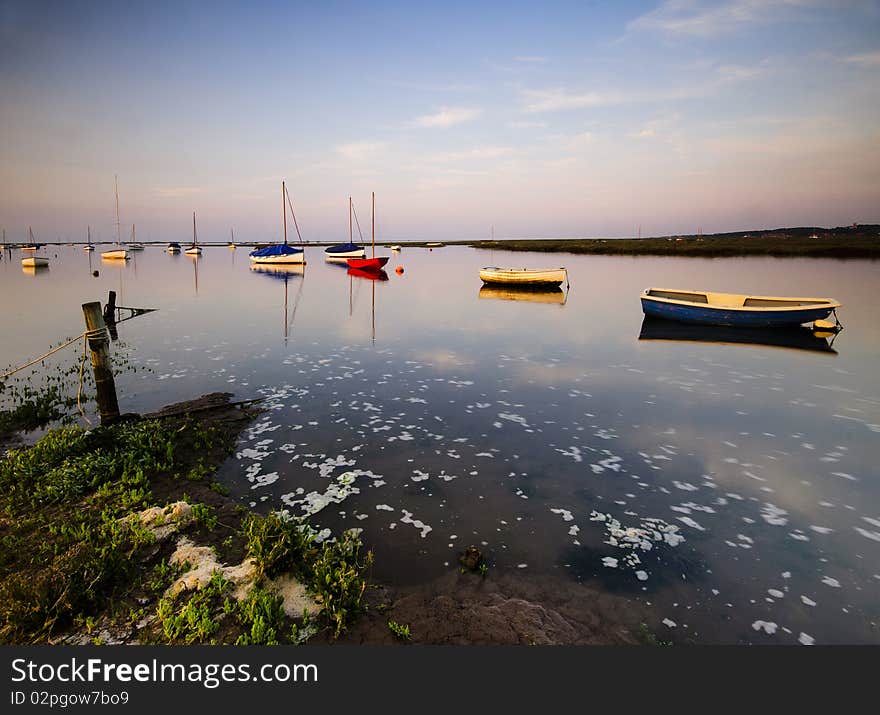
(398, 270)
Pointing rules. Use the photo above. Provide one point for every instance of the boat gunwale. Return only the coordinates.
(812, 303)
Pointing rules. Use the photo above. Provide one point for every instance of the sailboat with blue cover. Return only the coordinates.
(343, 251)
(281, 252)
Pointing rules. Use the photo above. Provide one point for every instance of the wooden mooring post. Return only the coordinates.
(108, 407)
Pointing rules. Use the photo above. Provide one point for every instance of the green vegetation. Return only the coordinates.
(73, 561)
(647, 637)
(845, 242)
(399, 630)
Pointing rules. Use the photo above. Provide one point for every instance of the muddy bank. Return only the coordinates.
(470, 609)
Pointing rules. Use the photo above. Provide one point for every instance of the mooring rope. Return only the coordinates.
(42, 357)
(96, 334)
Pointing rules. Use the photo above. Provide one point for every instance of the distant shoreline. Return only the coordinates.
(857, 241)
(845, 242)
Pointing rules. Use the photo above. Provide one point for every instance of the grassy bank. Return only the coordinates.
(845, 242)
(120, 535)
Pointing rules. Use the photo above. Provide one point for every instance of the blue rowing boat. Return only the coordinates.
(732, 309)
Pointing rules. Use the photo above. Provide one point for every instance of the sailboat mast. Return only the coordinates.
(373, 221)
(116, 181)
(350, 234)
(195, 241)
(89, 229)
(284, 210)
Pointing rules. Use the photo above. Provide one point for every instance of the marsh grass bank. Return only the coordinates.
(120, 535)
(845, 242)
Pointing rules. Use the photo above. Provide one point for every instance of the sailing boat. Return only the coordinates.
(375, 263)
(32, 244)
(118, 253)
(281, 252)
(89, 246)
(232, 241)
(133, 245)
(194, 250)
(345, 250)
(33, 261)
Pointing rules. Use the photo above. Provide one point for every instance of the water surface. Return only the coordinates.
(729, 489)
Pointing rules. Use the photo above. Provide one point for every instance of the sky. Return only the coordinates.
(550, 119)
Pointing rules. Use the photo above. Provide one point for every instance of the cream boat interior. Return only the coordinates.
(735, 300)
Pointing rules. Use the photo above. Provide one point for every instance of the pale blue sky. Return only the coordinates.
(552, 119)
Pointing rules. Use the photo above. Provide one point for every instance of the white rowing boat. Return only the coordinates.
(524, 276)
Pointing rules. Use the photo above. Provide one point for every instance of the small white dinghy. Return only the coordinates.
(524, 276)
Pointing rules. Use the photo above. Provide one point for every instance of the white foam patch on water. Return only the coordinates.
(833, 582)
(336, 493)
(774, 515)
(767, 626)
(264, 480)
(642, 575)
(384, 507)
(418, 524)
(573, 452)
(420, 476)
(669, 623)
(610, 562)
(612, 463)
(872, 535)
(685, 486)
(808, 601)
(512, 417)
(649, 532)
(691, 523)
(844, 475)
(821, 529)
(775, 592)
(805, 639)
(566, 514)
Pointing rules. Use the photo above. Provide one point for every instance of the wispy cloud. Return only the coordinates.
(554, 99)
(866, 59)
(448, 116)
(701, 19)
(359, 151)
(481, 152)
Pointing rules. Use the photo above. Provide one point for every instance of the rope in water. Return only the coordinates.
(96, 334)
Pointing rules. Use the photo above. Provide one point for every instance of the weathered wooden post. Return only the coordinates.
(110, 308)
(108, 407)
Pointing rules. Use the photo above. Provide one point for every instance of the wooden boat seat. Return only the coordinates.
(673, 295)
(770, 303)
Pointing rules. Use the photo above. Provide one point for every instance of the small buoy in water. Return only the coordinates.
(95, 274)
(398, 270)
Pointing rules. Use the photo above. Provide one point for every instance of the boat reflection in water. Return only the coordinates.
(284, 272)
(38, 269)
(379, 275)
(532, 294)
(373, 276)
(794, 337)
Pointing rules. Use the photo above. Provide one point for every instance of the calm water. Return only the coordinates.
(730, 491)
